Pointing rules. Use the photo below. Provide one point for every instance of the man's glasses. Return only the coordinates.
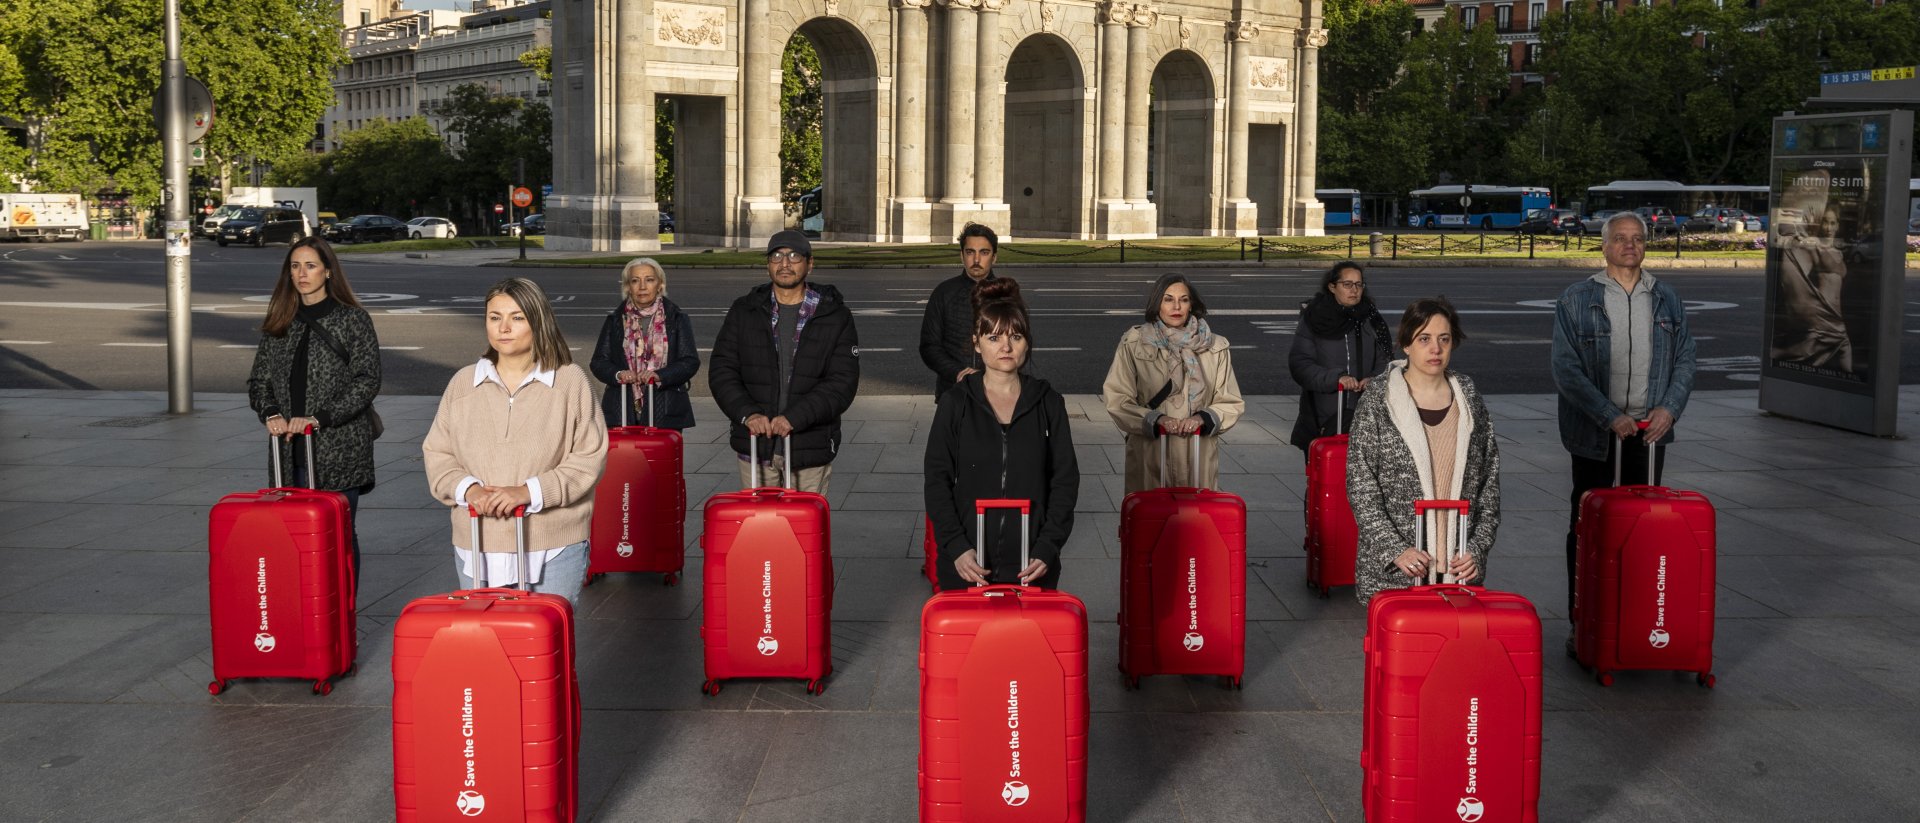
(788, 256)
(1351, 285)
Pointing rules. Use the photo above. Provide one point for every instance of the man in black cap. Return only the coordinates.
(787, 363)
(946, 328)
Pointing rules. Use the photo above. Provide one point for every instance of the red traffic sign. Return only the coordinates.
(499, 209)
(522, 197)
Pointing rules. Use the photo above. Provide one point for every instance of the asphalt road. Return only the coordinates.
(92, 316)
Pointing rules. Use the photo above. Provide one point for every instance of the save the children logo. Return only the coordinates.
(1658, 637)
(1193, 641)
(625, 548)
(470, 801)
(767, 645)
(1470, 809)
(264, 642)
(1014, 792)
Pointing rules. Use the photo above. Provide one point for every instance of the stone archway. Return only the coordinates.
(850, 167)
(1181, 136)
(1045, 115)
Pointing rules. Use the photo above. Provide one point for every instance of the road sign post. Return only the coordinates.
(174, 137)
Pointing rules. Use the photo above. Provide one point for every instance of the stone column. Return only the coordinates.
(957, 201)
(636, 211)
(990, 123)
(1113, 99)
(1309, 215)
(759, 213)
(1240, 216)
(909, 207)
(1139, 82)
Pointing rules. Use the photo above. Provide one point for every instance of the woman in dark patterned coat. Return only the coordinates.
(318, 365)
(1422, 433)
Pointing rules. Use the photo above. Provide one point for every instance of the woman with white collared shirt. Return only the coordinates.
(520, 427)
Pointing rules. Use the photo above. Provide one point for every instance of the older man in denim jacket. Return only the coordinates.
(1621, 355)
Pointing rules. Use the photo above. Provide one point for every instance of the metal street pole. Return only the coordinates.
(521, 177)
(179, 242)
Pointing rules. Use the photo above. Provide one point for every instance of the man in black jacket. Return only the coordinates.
(786, 363)
(946, 329)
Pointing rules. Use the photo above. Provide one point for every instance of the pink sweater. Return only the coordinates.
(555, 434)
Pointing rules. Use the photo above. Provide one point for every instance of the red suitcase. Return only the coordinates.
(486, 706)
(1645, 579)
(777, 621)
(1183, 580)
(280, 584)
(1003, 701)
(1451, 707)
(932, 547)
(640, 504)
(1333, 539)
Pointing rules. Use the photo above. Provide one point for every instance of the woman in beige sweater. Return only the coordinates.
(1172, 376)
(520, 427)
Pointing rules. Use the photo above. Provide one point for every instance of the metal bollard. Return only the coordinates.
(1373, 244)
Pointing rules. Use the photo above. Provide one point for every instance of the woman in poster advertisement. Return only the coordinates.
(1811, 330)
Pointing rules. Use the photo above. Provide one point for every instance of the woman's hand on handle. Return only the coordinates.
(1035, 570)
(1348, 383)
(969, 570)
(624, 376)
(1413, 562)
(1464, 570)
(277, 426)
(498, 501)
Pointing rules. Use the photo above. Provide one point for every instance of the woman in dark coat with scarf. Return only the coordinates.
(647, 339)
(1000, 433)
(1340, 345)
(318, 365)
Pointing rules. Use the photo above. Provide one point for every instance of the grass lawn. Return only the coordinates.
(443, 244)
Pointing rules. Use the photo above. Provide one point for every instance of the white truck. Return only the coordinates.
(306, 200)
(42, 217)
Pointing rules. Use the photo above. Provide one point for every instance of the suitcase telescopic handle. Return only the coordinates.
(519, 548)
(1339, 410)
(626, 402)
(980, 508)
(753, 457)
(313, 472)
(1653, 457)
(1193, 475)
(1420, 510)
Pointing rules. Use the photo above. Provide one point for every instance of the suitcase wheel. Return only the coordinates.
(1605, 678)
(672, 579)
(216, 687)
(323, 687)
(1233, 681)
(1705, 679)
(1133, 682)
(710, 688)
(352, 669)
(590, 578)
(816, 687)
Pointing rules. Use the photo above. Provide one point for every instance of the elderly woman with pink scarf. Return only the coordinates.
(1172, 377)
(647, 339)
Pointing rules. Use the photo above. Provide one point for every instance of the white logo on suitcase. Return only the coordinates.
(1658, 638)
(264, 642)
(768, 646)
(1470, 809)
(471, 803)
(1014, 793)
(1193, 641)
(625, 549)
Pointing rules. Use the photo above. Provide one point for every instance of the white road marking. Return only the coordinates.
(417, 348)
(1056, 348)
(237, 346)
(25, 342)
(1520, 342)
(865, 349)
(1243, 347)
(136, 345)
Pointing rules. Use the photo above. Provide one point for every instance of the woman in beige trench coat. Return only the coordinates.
(1172, 376)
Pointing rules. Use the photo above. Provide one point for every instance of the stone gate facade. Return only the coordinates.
(1040, 118)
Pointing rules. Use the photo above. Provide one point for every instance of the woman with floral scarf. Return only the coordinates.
(647, 339)
(1172, 377)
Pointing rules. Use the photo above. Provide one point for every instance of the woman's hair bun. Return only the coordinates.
(999, 288)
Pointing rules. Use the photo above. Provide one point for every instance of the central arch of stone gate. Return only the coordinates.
(1039, 118)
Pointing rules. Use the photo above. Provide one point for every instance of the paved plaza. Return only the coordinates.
(104, 711)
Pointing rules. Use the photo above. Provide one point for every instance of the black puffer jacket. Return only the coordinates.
(946, 330)
(1361, 350)
(675, 409)
(971, 456)
(340, 391)
(742, 373)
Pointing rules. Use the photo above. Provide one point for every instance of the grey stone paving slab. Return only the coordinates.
(851, 767)
(684, 765)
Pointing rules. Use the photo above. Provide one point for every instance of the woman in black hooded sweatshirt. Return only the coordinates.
(1340, 344)
(1000, 433)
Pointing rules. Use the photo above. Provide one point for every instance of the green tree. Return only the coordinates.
(386, 167)
(85, 107)
(492, 134)
(802, 109)
(541, 61)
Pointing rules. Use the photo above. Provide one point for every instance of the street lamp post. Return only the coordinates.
(179, 240)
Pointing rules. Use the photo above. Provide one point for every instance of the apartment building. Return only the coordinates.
(485, 51)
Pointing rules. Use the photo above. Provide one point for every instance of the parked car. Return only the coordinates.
(1754, 222)
(327, 219)
(1592, 223)
(263, 225)
(1716, 218)
(534, 224)
(366, 227)
(666, 223)
(1550, 221)
(1659, 220)
(440, 227)
(509, 228)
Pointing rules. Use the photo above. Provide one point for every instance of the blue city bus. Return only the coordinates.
(1343, 206)
(1492, 207)
(1680, 198)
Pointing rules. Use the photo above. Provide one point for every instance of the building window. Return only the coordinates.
(1534, 13)
(365, 17)
(1503, 18)
(1469, 16)
(1533, 53)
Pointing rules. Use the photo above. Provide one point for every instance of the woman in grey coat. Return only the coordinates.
(1339, 345)
(1422, 433)
(318, 365)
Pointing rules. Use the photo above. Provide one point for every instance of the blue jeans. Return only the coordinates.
(562, 575)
